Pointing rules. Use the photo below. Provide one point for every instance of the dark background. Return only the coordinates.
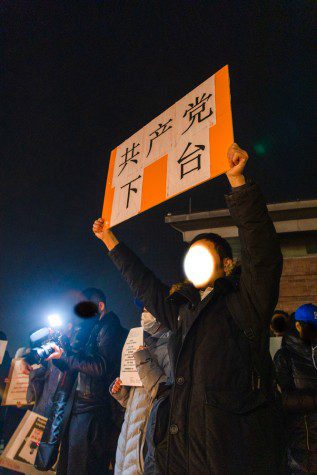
(80, 77)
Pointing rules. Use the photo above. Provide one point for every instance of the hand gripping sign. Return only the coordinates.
(183, 147)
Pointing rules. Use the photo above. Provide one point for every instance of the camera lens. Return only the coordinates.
(39, 354)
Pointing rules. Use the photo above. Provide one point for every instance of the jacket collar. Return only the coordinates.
(187, 292)
(295, 345)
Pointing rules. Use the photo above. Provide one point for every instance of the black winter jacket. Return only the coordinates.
(98, 365)
(296, 371)
(220, 422)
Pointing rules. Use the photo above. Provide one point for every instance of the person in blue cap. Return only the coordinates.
(296, 368)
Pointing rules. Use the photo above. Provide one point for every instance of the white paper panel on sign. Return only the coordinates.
(127, 198)
(160, 135)
(189, 163)
(129, 161)
(196, 110)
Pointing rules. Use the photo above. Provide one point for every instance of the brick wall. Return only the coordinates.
(298, 283)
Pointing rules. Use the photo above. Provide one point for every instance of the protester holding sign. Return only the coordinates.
(223, 415)
(152, 364)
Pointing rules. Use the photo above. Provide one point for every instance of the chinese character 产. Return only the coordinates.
(162, 128)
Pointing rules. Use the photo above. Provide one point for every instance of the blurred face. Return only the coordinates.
(203, 265)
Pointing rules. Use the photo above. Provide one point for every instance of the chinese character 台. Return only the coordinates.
(193, 158)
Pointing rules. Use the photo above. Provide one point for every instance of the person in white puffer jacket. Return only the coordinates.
(153, 366)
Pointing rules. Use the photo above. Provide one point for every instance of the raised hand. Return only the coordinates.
(57, 353)
(105, 234)
(237, 160)
(98, 228)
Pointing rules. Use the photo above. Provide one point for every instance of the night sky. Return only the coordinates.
(80, 77)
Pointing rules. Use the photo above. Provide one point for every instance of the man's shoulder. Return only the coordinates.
(111, 323)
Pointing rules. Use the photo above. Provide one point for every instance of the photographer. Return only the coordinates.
(85, 446)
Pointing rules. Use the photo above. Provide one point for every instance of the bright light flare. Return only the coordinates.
(199, 265)
(54, 320)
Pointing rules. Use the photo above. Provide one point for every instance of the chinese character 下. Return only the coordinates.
(130, 189)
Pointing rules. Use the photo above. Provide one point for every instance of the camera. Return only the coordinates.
(42, 345)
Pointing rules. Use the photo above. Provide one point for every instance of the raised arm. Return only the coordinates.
(143, 283)
(261, 258)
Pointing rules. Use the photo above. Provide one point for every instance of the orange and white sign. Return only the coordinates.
(183, 147)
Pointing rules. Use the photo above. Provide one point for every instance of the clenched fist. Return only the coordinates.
(98, 227)
(237, 160)
(105, 234)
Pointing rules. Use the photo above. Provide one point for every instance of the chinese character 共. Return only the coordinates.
(129, 156)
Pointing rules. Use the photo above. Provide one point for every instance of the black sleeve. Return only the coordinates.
(296, 401)
(145, 286)
(261, 258)
(94, 366)
(108, 357)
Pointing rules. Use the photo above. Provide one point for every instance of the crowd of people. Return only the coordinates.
(212, 400)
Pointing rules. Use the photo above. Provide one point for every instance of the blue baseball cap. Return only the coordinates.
(307, 313)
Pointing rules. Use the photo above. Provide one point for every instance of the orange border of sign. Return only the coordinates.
(109, 192)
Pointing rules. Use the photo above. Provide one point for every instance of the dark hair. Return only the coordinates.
(281, 312)
(280, 324)
(222, 246)
(95, 295)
